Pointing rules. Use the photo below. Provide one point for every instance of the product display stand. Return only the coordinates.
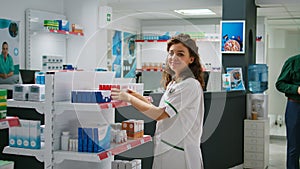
(62, 115)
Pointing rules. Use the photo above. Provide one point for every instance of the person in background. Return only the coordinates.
(6, 62)
(288, 83)
(180, 113)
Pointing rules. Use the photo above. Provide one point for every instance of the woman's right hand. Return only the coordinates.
(117, 94)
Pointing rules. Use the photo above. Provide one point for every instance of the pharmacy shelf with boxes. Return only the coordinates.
(6, 121)
(79, 122)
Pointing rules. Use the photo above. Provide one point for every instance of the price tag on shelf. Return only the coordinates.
(128, 146)
(4, 124)
(142, 141)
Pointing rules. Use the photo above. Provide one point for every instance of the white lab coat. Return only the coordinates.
(183, 101)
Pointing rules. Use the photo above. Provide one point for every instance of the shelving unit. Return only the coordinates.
(9, 122)
(61, 115)
(66, 32)
(151, 53)
(41, 41)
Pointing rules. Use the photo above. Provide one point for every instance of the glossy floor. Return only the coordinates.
(277, 156)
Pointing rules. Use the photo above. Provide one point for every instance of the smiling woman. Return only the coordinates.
(180, 113)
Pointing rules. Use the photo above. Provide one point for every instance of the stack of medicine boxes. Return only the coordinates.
(52, 62)
(26, 136)
(134, 128)
(31, 92)
(94, 139)
(3, 103)
(124, 164)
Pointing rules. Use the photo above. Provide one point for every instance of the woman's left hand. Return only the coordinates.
(117, 94)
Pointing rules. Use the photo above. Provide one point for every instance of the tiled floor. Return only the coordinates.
(277, 155)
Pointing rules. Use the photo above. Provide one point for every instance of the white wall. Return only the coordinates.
(260, 45)
(91, 50)
(15, 10)
(278, 52)
(81, 51)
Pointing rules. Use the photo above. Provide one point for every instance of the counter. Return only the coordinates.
(223, 131)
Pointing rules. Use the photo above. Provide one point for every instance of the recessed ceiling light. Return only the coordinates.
(195, 12)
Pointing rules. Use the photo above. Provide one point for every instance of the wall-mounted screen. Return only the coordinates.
(232, 36)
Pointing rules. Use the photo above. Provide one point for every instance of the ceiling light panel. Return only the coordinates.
(195, 12)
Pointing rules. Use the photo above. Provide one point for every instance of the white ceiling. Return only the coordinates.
(280, 13)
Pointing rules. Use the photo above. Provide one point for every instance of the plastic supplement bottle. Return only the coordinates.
(65, 140)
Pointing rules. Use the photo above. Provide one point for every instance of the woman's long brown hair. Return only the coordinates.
(194, 67)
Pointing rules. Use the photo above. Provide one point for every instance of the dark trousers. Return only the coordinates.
(292, 121)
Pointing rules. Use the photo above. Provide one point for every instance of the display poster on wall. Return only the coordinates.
(233, 36)
(10, 45)
(236, 78)
(116, 52)
(129, 55)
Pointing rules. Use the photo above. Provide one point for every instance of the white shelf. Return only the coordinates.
(208, 40)
(151, 69)
(67, 105)
(161, 40)
(37, 153)
(60, 32)
(120, 148)
(65, 32)
(9, 122)
(39, 106)
(60, 156)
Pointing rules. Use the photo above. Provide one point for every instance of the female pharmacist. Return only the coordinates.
(180, 113)
(6, 62)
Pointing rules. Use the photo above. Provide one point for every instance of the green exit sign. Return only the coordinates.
(108, 17)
